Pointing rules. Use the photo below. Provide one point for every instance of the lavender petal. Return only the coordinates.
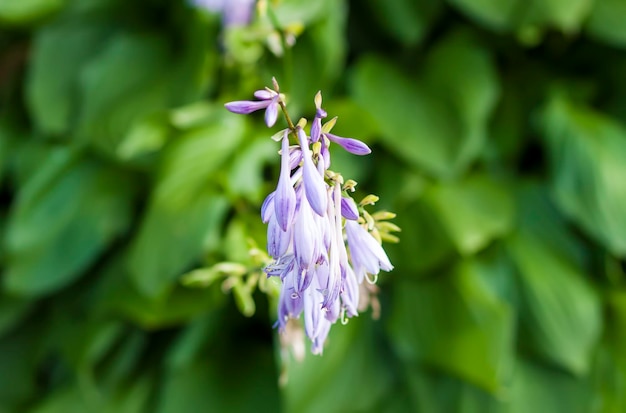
(285, 198)
(349, 209)
(267, 209)
(351, 145)
(271, 113)
(277, 239)
(365, 251)
(314, 186)
(244, 107)
(305, 236)
(263, 94)
(350, 291)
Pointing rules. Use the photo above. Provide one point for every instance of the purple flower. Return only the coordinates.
(316, 126)
(348, 209)
(351, 145)
(285, 198)
(306, 242)
(234, 12)
(366, 253)
(321, 252)
(267, 209)
(277, 240)
(269, 101)
(314, 185)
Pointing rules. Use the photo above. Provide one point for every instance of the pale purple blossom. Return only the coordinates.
(269, 102)
(321, 248)
(234, 12)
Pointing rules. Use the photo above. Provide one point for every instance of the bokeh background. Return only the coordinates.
(499, 138)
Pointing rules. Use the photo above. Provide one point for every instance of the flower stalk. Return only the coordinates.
(323, 244)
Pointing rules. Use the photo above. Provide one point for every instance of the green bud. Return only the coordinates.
(350, 185)
(383, 215)
(318, 99)
(388, 227)
(243, 299)
(371, 199)
(328, 126)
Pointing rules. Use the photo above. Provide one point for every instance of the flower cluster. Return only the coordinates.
(320, 240)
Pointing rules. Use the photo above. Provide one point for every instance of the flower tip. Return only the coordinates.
(245, 107)
(318, 100)
(271, 114)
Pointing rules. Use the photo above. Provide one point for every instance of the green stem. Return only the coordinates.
(292, 127)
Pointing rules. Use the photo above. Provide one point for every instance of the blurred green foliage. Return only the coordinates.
(499, 136)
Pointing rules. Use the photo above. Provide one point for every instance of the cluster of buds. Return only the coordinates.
(323, 245)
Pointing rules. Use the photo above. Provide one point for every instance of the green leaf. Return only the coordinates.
(301, 11)
(18, 351)
(427, 248)
(477, 341)
(60, 53)
(353, 361)
(471, 94)
(224, 382)
(408, 21)
(495, 14)
(64, 218)
(12, 310)
(86, 344)
(245, 177)
(609, 373)
(183, 212)
(473, 212)
(76, 398)
(329, 45)
(146, 136)
(435, 392)
(24, 12)
(116, 93)
(189, 344)
(605, 22)
(436, 122)
(587, 152)
(567, 15)
(170, 240)
(404, 113)
(562, 314)
(539, 389)
(119, 295)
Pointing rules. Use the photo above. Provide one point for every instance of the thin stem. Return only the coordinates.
(292, 128)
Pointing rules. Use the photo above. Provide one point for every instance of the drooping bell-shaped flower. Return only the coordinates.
(285, 195)
(321, 252)
(269, 101)
(365, 251)
(314, 186)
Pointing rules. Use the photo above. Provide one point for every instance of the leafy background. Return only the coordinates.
(499, 137)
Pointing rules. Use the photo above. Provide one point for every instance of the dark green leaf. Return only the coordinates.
(354, 362)
(407, 20)
(562, 313)
(437, 122)
(23, 12)
(605, 22)
(539, 389)
(473, 212)
(587, 152)
(64, 218)
(61, 52)
(182, 212)
(477, 341)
